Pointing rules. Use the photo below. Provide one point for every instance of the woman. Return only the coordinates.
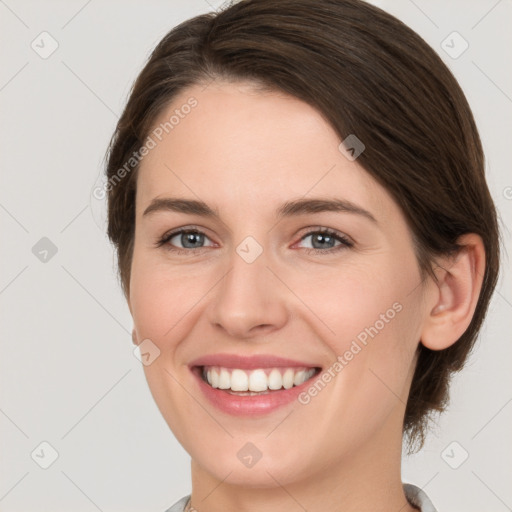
(308, 248)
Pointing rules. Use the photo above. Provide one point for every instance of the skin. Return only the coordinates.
(245, 153)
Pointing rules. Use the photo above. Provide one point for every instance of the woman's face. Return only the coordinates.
(260, 280)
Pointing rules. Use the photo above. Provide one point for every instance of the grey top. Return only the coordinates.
(415, 496)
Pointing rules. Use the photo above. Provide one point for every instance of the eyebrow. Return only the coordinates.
(288, 209)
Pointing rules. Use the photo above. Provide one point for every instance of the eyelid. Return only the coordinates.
(345, 242)
(168, 235)
(323, 229)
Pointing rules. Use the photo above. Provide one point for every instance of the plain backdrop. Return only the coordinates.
(73, 396)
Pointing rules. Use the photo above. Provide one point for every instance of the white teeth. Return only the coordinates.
(275, 379)
(215, 380)
(258, 380)
(288, 378)
(224, 379)
(299, 377)
(239, 381)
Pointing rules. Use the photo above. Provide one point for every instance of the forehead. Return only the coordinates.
(239, 145)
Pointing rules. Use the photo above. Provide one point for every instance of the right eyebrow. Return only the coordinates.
(189, 206)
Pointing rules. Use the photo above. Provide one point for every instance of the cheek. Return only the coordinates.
(162, 296)
(370, 322)
(352, 302)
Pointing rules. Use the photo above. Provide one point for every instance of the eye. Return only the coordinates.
(190, 239)
(324, 240)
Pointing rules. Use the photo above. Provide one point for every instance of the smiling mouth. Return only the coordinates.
(257, 381)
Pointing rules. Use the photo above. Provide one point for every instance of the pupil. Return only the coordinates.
(321, 238)
(191, 238)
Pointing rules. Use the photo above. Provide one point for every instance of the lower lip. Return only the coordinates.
(240, 405)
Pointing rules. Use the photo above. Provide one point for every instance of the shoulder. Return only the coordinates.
(179, 506)
(418, 498)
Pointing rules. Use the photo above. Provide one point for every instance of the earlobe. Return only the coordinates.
(455, 294)
(134, 337)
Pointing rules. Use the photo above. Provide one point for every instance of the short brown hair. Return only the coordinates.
(369, 75)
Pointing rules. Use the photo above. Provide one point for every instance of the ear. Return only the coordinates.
(128, 301)
(455, 295)
(134, 337)
(134, 333)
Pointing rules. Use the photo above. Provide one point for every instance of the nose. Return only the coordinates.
(249, 301)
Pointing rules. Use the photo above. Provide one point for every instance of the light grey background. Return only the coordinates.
(68, 376)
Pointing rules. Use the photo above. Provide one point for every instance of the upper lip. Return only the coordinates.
(249, 362)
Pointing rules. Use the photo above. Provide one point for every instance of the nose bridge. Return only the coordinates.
(249, 272)
(249, 295)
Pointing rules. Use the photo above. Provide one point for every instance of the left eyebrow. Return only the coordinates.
(304, 206)
(288, 209)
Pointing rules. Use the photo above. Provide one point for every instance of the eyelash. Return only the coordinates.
(345, 242)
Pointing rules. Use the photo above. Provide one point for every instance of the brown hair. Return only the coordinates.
(369, 75)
